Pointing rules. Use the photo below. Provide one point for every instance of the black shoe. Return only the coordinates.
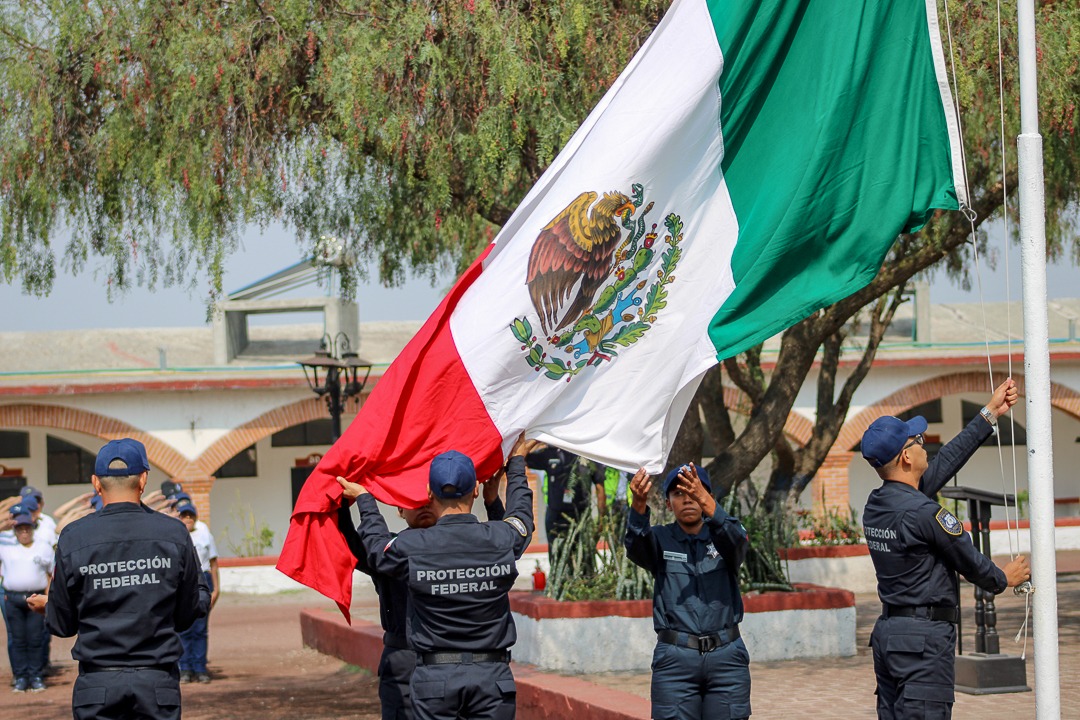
(37, 685)
(21, 685)
(202, 678)
(186, 676)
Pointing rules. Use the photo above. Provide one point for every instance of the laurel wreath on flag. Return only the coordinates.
(620, 316)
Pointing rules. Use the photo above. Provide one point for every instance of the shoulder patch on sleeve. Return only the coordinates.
(387, 546)
(517, 525)
(949, 523)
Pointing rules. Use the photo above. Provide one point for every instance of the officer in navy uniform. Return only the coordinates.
(459, 573)
(127, 580)
(916, 546)
(398, 662)
(700, 668)
(569, 482)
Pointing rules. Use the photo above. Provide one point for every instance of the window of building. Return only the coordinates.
(969, 410)
(313, 432)
(242, 464)
(66, 463)
(930, 410)
(14, 444)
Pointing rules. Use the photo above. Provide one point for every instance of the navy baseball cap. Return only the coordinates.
(32, 491)
(673, 476)
(171, 489)
(180, 498)
(886, 437)
(186, 506)
(28, 504)
(130, 452)
(24, 519)
(451, 469)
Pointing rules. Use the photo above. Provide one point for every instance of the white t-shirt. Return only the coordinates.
(204, 545)
(27, 569)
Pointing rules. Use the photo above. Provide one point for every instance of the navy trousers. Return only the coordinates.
(691, 685)
(396, 669)
(915, 667)
(195, 640)
(476, 691)
(24, 628)
(129, 694)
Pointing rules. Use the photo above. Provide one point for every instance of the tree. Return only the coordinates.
(152, 131)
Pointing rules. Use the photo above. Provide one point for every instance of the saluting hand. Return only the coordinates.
(350, 490)
(640, 485)
(1005, 396)
(690, 484)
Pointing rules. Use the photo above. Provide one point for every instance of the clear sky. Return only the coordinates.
(80, 301)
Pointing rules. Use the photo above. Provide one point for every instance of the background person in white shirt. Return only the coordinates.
(26, 568)
(196, 638)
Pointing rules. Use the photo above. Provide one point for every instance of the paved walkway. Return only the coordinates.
(845, 687)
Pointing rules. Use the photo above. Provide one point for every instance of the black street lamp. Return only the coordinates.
(341, 376)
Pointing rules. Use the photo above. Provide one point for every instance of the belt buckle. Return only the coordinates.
(706, 643)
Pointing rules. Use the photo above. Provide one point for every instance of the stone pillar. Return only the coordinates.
(831, 489)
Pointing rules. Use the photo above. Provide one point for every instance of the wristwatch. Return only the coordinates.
(988, 416)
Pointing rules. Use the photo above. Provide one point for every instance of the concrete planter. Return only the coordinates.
(840, 566)
(604, 636)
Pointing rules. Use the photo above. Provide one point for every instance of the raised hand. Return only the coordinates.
(640, 485)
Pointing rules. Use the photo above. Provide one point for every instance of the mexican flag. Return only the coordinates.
(752, 164)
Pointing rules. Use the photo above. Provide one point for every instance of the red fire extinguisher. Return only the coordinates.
(539, 579)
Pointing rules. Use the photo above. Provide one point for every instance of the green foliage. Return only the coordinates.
(255, 537)
(581, 571)
(829, 527)
(149, 133)
(769, 532)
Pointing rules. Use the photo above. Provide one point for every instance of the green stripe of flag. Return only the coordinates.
(835, 142)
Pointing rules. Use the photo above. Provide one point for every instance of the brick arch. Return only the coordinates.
(796, 427)
(1061, 397)
(61, 417)
(249, 433)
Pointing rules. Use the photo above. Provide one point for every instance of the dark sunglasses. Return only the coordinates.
(917, 440)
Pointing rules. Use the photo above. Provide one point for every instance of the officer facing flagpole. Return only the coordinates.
(916, 545)
(459, 574)
(127, 580)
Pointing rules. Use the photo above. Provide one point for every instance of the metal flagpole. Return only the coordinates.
(1037, 377)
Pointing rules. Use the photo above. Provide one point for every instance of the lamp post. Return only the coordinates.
(341, 379)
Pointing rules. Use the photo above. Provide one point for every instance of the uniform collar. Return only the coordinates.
(123, 507)
(456, 519)
(701, 535)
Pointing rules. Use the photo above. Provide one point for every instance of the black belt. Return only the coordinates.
(924, 612)
(394, 641)
(85, 667)
(22, 594)
(701, 643)
(460, 658)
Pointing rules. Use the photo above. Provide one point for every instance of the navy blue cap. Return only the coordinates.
(673, 476)
(19, 508)
(28, 504)
(452, 469)
(32, 491)
(171, 489)
(887, 436)
(24, 519)
(186, 506)
(130, 452)
(180, 497)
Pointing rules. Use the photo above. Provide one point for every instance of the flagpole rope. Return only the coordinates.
(968, 213)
